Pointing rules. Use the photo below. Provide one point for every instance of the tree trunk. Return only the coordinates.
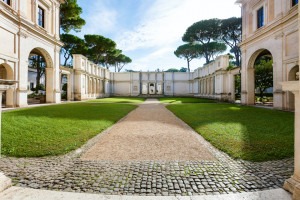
(237, 55)
(188, 64)
(38, 74)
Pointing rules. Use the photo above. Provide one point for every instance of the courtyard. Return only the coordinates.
(150, 151)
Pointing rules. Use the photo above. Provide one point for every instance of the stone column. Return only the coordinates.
(293, 184)
(69, 90)
(50, 85)
(4, 181)
(250, 85)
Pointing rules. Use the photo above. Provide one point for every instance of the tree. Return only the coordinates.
(172, 70)
(130, 70)
(72, 45)
(231, 34)
(70, 16)
(263, 75)
(188, 52)
(121, 61)
(37, 62)
(205, 32)
(110, 58)
(99, 48)
(183, 69)
(212, 50)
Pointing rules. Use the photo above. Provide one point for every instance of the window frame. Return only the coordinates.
(41, 17)
(294, 3)
(260, 14)
(8, 2)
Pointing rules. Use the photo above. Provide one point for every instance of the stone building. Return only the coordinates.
(270, 28)
(215, 81)
(29, 27)
(87, 80)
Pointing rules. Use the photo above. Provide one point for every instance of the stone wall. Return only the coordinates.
(20, 35)
(278, 36)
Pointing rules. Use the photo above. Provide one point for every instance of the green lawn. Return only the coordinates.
(178, 100)
(248, 133)
(56, 129)
(119, 100)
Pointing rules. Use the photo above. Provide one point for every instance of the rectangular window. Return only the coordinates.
(260, 17)
(41, 17)
(6, 1)
(294, 2)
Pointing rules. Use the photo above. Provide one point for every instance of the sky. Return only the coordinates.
(149, 31)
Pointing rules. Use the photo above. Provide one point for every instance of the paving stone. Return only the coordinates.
(67, 173)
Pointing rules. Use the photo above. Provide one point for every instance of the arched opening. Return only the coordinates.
(260, 78)
(64, 87)
(6, 73)
(292, 76)
(40, 78)
(237, 88)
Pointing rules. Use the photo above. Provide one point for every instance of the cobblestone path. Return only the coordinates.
(84, 171)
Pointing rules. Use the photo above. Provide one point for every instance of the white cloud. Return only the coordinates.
(166, 21)
(156, 29)
(100, 18)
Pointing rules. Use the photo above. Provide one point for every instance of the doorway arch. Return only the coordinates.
(252, 78)
(293, 75)
(40, 77)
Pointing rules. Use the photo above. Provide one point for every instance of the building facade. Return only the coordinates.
(216, 81)
(270, 27)
(89, 81)
(29, 27)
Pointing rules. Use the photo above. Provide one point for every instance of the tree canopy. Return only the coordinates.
(231, 34)
(102, 50)
(70, 16)
(263, 75)
(72, 45)
(99, 48)
(189, 52)
(121, 61)
(203, 31)
(206, 33)
(172, 70)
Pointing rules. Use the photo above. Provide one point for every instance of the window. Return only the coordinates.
(41, 17)
(294, 2)
(260, 17)
(8, 1)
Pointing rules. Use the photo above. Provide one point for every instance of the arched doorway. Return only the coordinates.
(292, 76)
(40, 77)
(260, 78)
(6, 73)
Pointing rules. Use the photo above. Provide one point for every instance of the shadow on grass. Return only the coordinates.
(179, 100)
(134, 100)
(56, 129)
(243, 132)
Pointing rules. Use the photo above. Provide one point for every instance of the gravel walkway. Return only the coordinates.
(151, 132)
(168, 159)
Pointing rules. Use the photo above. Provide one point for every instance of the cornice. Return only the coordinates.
(23, 24)
(270, 29)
